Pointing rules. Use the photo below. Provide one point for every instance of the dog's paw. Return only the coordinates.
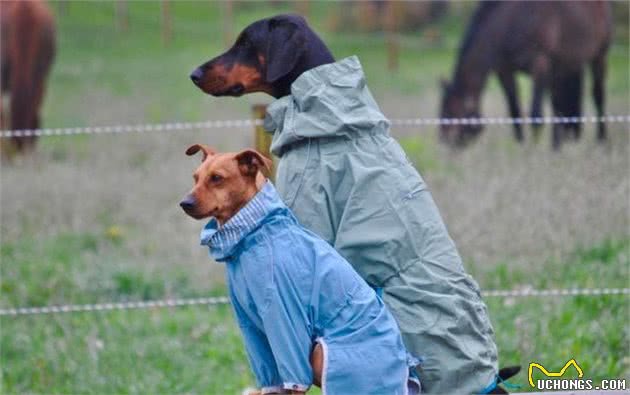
(251, 391)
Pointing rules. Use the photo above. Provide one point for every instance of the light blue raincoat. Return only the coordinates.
(346, 179)
(290, 289)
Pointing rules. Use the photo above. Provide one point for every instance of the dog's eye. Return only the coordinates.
(215, 178)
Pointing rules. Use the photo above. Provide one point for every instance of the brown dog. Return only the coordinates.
(224, 183)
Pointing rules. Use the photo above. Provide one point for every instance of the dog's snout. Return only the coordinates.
(196, 75)
(188, 203)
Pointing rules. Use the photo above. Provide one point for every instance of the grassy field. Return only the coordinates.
(95, 218)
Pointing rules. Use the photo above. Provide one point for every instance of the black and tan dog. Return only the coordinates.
(352, 185)
(266, 57)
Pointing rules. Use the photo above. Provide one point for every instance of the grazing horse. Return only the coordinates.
(550, 40)
(27, 49)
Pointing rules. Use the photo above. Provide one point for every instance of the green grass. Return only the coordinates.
(93, 219)
(85, 268)
(199, 349)
(103, 65)
(193, 350)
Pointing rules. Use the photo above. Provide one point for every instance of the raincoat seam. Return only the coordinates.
(347, 302)
(270, 287)
(303, 174)
(398, 272)
(408, 231)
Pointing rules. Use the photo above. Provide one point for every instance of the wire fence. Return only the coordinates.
(219, 300)
(241, 123)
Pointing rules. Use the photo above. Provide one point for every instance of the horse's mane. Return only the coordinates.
(476, 22)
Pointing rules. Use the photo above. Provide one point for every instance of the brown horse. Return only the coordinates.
(550, 40)
(27, 50)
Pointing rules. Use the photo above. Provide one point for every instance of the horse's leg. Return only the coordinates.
(4, 151)
(540, 76)
(576, 109)
(38, 89)
(569, 83)
(19, 112)
(40, 63)
(598, 68)
(506, 78)
(3, 88)
(20, 107)
(558, 103)
(2, 125)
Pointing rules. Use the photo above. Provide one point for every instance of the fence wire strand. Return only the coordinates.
(220, 300)
(218, 124)
(241, 123)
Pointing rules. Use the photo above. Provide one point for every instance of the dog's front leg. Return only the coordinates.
(317, 364)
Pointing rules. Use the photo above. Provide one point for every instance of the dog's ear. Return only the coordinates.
(287, 44)
(205, 150)
(250, 162)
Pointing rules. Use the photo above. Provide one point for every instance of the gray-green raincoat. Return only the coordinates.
(349, 181)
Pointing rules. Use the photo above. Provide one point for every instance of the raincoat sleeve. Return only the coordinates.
(259, 353)
(285, 322)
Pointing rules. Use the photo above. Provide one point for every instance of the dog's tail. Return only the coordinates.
(510, 371)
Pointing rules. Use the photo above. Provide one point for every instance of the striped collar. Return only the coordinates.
(223, 239)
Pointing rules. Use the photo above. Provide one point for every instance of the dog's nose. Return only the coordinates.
(188, 203)
(196, 75)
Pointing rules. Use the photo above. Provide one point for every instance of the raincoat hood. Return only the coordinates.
(224, 240)
(327, 101)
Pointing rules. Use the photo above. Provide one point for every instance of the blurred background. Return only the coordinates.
(95, 218)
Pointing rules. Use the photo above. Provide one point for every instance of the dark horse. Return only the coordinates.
(27, 49)
(550, 40)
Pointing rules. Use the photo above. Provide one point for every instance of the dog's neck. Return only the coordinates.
(282, 87)
(247, 197)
